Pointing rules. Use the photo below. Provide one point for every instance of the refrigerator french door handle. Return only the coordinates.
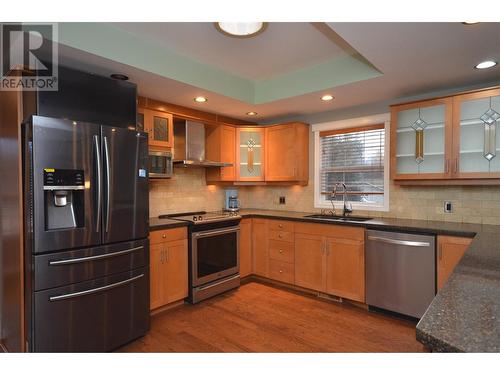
(108, 182)
(99, 182)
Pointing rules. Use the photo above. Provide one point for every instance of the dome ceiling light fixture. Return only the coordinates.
(200, 99)
(241, 29)
(252, 113)
(327, 97)
(486, 64)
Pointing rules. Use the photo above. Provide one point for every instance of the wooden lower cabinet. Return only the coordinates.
(309, 261)
(260, 247)
(156, 276)
(245, 247)
(322, 257)
(345, 268)
(168, 267)
(450, 251)
(281, 271)
(331, 259)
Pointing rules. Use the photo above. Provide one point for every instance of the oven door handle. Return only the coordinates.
(216, 232)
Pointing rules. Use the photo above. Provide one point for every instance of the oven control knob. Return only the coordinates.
(200, 218)
(195, 218)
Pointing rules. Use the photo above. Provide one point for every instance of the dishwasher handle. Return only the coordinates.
(399, 242)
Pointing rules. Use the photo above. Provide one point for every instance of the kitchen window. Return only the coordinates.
(354, 152)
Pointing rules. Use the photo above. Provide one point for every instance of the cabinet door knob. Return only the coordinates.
(280, 235)
(281, 271)
(280, 226)
(164, 236)
(281, 251)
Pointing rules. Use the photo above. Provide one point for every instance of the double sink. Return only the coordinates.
(339, 218)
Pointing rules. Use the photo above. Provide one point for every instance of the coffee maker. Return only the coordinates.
(232, 201)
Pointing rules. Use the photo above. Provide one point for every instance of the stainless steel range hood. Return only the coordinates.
(189, 145)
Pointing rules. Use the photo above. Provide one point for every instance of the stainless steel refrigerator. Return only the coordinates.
(86, 246)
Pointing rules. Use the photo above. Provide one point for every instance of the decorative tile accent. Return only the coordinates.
(419, 124)
(490, 116)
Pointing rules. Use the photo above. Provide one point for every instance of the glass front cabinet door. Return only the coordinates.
(476, 134)
(421, 135)
(250, 154)
(159, 125)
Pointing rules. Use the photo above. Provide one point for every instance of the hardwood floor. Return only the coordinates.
(260, 318)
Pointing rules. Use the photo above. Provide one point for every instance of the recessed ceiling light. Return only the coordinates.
(327, 98)
(200, 99)
(486, 64)
(470, 23)
(252, 113)
(119, 76)
(241, 29)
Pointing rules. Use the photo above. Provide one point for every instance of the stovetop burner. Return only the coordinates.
(200, 217)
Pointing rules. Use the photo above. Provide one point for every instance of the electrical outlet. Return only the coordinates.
(282, 200)
(448, 207)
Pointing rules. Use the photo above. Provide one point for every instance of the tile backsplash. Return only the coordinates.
(471, 204)
(188, 191)
(185, 191)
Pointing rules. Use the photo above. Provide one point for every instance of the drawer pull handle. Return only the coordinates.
(95, 257)
(96, 290)
(280, 226)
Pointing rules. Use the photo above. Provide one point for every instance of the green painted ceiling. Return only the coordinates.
(107, 41)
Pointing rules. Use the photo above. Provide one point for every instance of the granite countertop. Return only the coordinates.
(155, 223)
(465, 314)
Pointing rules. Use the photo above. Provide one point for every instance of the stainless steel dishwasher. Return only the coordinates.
(400, 271)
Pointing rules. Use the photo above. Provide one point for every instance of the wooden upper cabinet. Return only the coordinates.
(250, 148)
(287, 152)
(421, 140)
(245, 247)
(220, 146)
(450, 251)
(140, 125)
(452, 139)
(160, 127)
(476, 136)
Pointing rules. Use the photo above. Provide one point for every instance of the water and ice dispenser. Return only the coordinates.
(64, 198)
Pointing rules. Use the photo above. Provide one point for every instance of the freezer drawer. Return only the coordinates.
(70, 267)
(93, 316)
(400, 271)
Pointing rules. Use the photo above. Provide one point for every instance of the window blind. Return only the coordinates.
(356, 158)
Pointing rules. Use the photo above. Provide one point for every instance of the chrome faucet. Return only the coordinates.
(347, 209)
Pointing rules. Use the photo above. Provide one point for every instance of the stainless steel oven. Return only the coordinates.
(215, 263)
(215, 254)
(160, 164)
